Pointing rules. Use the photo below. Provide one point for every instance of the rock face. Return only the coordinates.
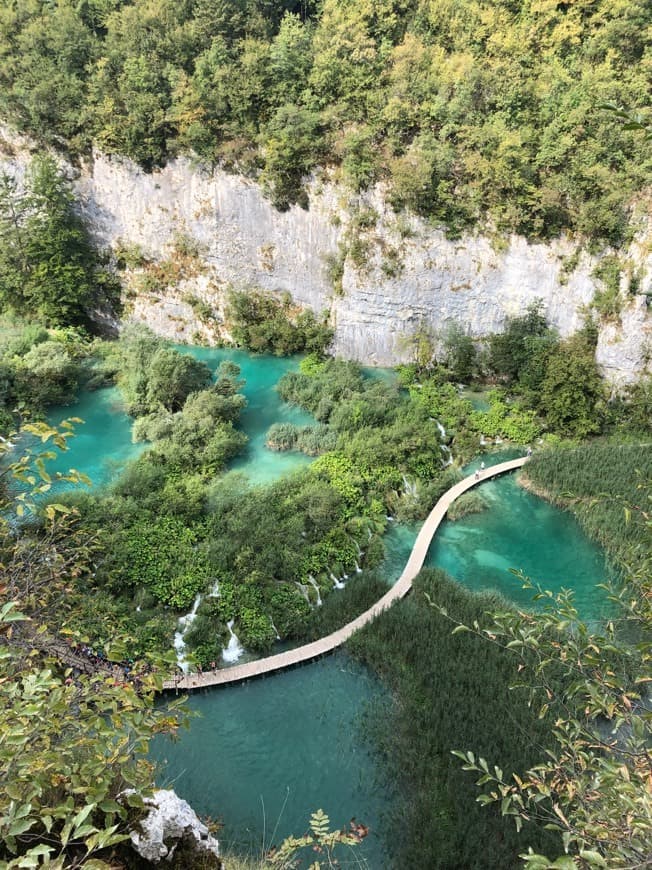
(171, 827)
(408, 275)
(381, 277)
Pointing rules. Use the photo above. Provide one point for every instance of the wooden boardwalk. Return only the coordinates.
(238, 673)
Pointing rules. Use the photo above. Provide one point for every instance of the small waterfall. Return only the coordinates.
(215, 590)
(409, 488)
(337, 584)
(358, 569)
(182, 627)
(483, 442)
(278, 636)
(449, 456)
(234, 650)
(389, 520)
(442, 431)
(314, 585)
(303, 590)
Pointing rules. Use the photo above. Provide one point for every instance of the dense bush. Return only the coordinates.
(465, 109)
(262, 322)
(153, 376)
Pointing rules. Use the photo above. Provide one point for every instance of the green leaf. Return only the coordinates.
(593, 858)
(19, 826)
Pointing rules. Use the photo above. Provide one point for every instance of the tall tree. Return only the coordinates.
(48, 267)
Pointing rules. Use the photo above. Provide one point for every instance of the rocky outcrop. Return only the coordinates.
(171, 833)
(381, 277)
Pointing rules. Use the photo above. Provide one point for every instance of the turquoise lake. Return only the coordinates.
(262, 756)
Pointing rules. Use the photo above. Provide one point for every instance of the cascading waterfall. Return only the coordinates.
(314, 585)
(271, 622)
(234, 650)
(337, 584)
(409, 488)
(358, 569)
(182, 627)
(303, 590)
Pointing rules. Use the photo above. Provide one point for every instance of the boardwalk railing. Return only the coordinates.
(327, 644)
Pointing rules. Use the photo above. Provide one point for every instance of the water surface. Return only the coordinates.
(266, 754)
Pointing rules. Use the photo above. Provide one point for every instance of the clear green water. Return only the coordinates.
(274, 750)
(261, 373)
(269, 752)
(521, 531)
(102, 445)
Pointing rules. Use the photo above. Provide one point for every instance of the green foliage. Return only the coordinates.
(467, 503)
(608, 301)
(632, 412)
(71, 743)
(507, 421)
(447, 689)
(160, 554)
(572, 394)
(464, 111)
(597, 481)
(152, 375)
(48, 267)
(443, 402)
(292, 147)
(282, 436)
(592, 785)
(460, 355)
(319, 839)
(510, 350)
(263, 323)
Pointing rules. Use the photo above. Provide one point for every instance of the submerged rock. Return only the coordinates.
(172, 834)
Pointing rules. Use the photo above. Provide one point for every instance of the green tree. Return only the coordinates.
(511, 350)
(71, 745)
(48, 268)
(572, 395)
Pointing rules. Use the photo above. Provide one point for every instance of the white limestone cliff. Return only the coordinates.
(410, 275)
(245, 242)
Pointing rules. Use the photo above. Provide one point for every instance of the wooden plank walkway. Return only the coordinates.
(238, 673)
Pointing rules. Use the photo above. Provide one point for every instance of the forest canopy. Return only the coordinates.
(467, 109)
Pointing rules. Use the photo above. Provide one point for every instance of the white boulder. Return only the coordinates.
(169, 822)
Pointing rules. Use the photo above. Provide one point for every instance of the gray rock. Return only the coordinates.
(413, 276)
(172, 824)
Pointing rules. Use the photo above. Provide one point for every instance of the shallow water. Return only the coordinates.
(268, 753)
(519, 530)
(102, 444)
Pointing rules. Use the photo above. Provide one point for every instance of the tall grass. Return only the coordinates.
(450, 691)
(603, 483)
